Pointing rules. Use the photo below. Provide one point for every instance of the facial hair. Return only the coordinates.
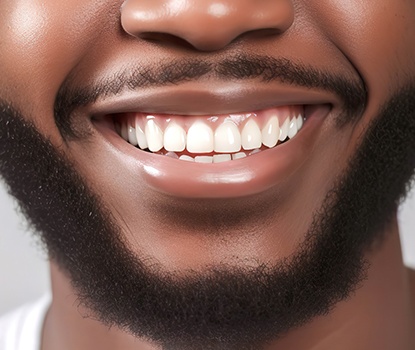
(223, 308)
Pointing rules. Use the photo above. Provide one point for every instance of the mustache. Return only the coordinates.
(350, 89)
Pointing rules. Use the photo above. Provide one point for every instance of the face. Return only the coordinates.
(100, 100)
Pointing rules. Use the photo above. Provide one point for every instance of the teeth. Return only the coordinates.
(238, 155)
(204, 159)
(172, 155)
(227, 138)
(132, 137)
(174, 138)
(219, 158)
(300, 122)
(251, 136)
(284, 130)
(255, 151)
(141, 137)
(154, 136)
(292, 129)
(187, 158)
(271, 133)
(200, 138)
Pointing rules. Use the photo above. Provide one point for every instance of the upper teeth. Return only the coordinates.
(230, 136)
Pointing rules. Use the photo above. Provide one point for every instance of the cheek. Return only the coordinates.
(41, 41)
(377, 36)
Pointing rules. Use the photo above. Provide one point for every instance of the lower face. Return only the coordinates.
(237, 238)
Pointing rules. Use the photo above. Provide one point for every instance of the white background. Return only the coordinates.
(24, 269)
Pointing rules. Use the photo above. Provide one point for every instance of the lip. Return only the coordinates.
(243, 177)
(210, 98)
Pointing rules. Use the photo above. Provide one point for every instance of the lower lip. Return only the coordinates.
(237, 178)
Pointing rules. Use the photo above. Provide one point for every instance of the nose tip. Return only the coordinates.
(207, 25)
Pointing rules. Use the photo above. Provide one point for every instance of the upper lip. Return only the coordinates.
(196, 98)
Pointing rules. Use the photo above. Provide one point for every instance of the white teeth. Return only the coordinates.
(124, 131)
(255, 151)
(284, 130)
(187, 158)
(141, 137)
(200, 138)
(154, 136)
(219, 158)
(132, 137)
(174, 138)
(271, 132)
(251, 136)
(238, 155)
(300, 122)
(172, 155)
(227, 138)
(204, 159)
(292, 129)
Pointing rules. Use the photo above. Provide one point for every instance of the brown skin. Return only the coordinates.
(43, 42)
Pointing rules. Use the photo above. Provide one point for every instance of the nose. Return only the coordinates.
(207, 25)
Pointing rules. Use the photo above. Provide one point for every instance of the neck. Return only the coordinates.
(379, 315)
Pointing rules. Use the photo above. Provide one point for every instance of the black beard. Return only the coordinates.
(224, 308)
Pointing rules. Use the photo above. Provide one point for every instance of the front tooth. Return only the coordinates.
(132, 137)
(284, 130)
(271, 132)
(174, 138)
(251, 135)
(300, 122)
(141, 137)
(292, 130)
(200, 138)
(239, 155)
(204, 159)
(227, 138)
(154, 136)
(187, 158)
(220, 158)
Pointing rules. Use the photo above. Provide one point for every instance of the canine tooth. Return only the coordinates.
(132, 137)
(239, 155)
(124, 131)
(300, 122)
(174, 138)
(284, 130)
(187, 158)
(141, 137)
(154, 136)
(200, 138)
(251, 135)
(227, 138)
(271, 132)
(219, 158)
(292, 129)
(204, 159)
(172, 155)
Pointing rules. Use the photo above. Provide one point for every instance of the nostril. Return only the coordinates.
(165, 39)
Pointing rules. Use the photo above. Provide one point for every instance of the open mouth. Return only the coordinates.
(212, 156)
(210, 139)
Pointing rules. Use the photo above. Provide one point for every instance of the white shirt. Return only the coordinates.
(21, 329)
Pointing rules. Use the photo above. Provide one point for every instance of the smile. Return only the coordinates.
(211, 139)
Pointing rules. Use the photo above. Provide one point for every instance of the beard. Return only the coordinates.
(224, 307)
